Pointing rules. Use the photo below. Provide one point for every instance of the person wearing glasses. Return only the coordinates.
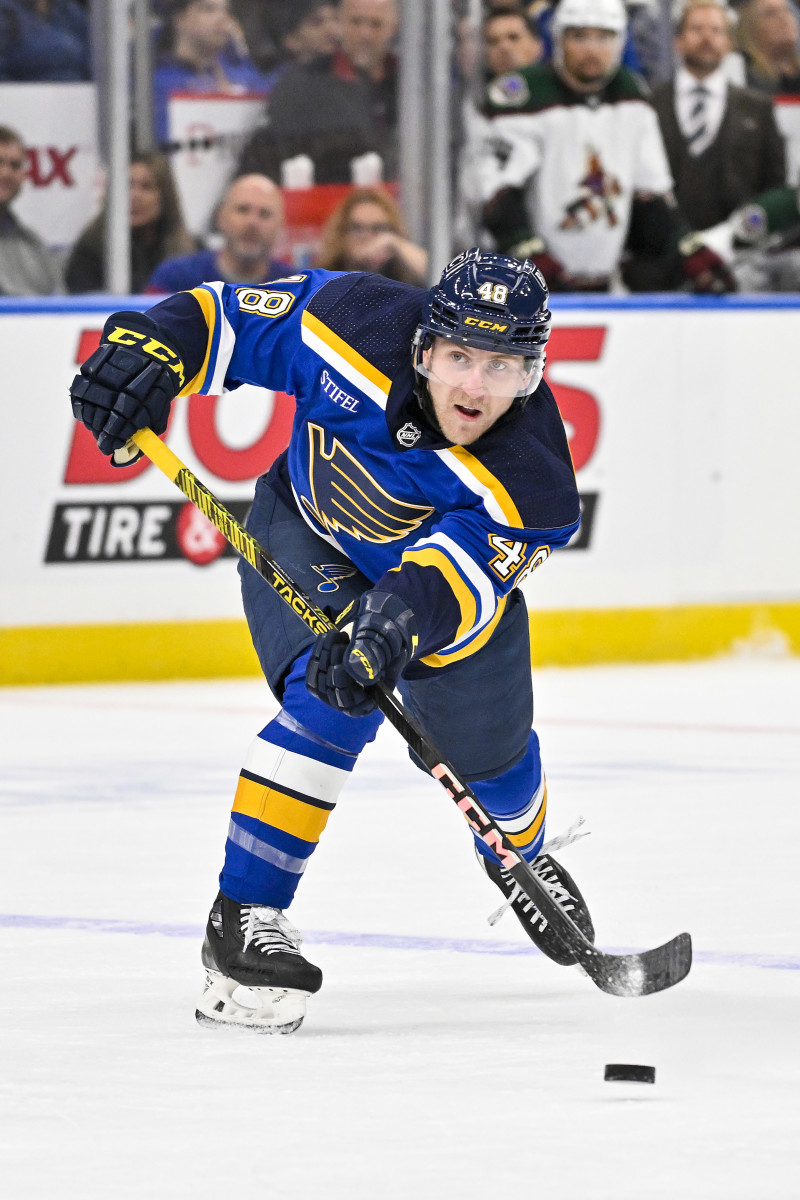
(366, 232)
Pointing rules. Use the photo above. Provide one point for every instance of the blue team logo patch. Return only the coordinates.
(509, 91)
(346, 498)
(331, 573)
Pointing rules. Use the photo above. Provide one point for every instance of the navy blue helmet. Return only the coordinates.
(491, 302)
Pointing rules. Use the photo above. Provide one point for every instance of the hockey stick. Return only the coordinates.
(618, 974)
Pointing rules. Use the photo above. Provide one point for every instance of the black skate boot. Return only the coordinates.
(562, 888)
(256, 977)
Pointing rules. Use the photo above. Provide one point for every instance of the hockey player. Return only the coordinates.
(571, 169)
(427, 474)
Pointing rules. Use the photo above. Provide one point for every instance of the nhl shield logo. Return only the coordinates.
(409, 435)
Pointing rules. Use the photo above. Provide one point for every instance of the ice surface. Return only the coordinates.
(442, 1058)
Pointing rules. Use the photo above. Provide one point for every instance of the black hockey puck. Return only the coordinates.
(629, 1073)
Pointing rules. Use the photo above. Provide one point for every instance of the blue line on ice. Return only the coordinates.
(374, 941)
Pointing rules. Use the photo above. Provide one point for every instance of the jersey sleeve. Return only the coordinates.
(519, 501)
(651, 173)
(457, 579)
(234, 334)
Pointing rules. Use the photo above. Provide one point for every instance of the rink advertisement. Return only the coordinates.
(677, 415)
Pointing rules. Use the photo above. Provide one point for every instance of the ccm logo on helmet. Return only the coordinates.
(485, 324)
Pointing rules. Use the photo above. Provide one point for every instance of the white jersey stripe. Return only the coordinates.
(474, 484)
(351, 373)
(474, 576)
(214, 382)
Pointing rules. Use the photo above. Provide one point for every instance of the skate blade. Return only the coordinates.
(227, 1004)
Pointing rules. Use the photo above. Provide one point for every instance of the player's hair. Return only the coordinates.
(9, 135)
(691, 6)
(511, 10)
(747, 39)
(332, 253)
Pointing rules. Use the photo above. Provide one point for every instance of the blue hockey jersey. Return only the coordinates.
(452, 529)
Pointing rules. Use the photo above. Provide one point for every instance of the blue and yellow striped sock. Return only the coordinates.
(517, 800)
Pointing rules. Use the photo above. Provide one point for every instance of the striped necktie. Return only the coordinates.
(696, 132)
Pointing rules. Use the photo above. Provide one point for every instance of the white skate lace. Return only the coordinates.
(269, 930)
(554, 886)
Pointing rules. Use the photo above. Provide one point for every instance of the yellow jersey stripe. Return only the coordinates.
(273, 807)
(444, 660)
(528, 835)
(340, 347)
(488, 481)
(429, 556)
(206, 301)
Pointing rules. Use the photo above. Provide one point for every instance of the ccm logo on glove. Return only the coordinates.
(128, 383)
(132, 337)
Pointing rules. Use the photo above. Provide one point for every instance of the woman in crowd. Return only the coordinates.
(157, 230)
(769, 39)
(366, 232)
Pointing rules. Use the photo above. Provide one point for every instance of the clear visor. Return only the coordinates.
(479, 372)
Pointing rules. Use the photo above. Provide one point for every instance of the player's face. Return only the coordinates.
(510, 45)
(12, 170)
(145, 196)
(590, 56)
(471, 389)
(704, 40)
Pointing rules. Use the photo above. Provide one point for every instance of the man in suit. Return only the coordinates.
(723, 143)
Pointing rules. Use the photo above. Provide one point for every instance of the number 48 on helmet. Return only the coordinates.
(490, 302)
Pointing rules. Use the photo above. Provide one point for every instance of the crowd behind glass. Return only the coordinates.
(328, 74)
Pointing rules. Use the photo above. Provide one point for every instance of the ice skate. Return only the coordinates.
(256, 977)
(562, 888)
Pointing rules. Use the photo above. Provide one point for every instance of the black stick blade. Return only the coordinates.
(639, 974)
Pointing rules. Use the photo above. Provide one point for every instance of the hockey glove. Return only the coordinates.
(375, 649)
(129, 382)
(704, 269)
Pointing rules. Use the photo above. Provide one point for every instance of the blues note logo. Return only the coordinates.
(345, 498)
(331, 573)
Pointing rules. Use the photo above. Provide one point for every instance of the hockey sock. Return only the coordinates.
(517, 800)
(288, 787)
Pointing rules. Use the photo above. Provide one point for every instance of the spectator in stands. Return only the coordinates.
(339, 108)
(157, 230)
(510, 40)
(43, 41)
(27, 267)
(722, 141)
(250, 219)
(366, 232)
(291, 31)
(572, 170)
(198, 51)
(770, 44)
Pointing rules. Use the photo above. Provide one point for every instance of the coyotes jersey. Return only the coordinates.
(452, 529)
(579, 158)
